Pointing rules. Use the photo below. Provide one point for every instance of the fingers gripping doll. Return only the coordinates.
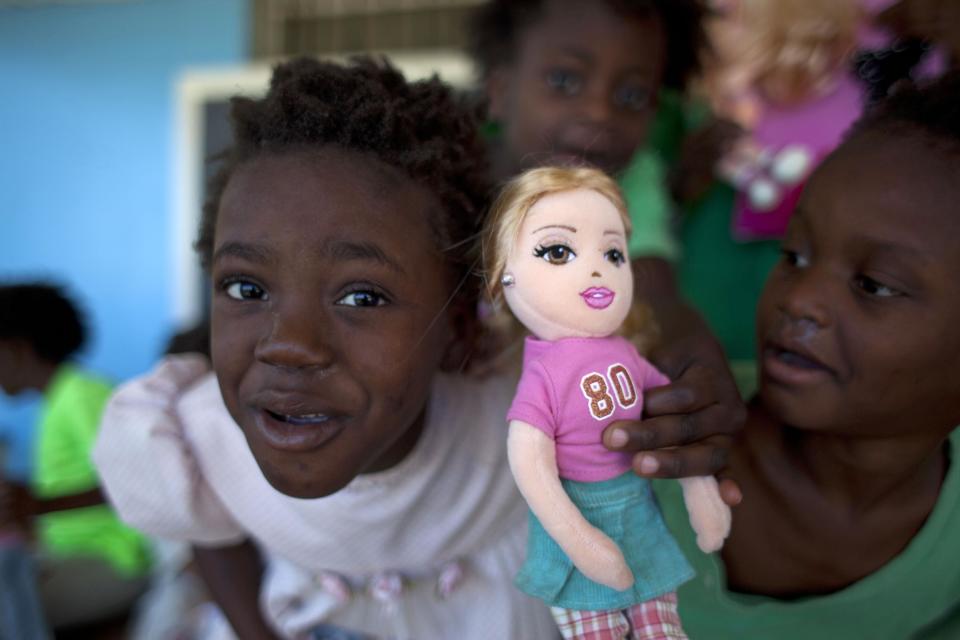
(555, 252)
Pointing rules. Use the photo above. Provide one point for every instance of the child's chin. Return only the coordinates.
(804, 411)
(299, 487)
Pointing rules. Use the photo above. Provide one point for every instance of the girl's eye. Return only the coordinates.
(633, 97)
(615, 256)
(245, 290)
(872, 287)
(555, 253)
(362, 299)
(795, 259)
(564, 81)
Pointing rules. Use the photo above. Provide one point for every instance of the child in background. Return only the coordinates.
(90, 567)
(849, 457)
(572, 82)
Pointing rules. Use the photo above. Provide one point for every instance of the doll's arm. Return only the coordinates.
(709, 514)
(533, 460)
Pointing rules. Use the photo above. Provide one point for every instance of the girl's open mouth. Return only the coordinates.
(791, 367)
(297, 432)
(598, 297)
(307, 419)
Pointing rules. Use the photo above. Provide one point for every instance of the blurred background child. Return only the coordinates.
(90, 567)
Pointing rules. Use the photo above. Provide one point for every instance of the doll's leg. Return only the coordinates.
(592, 625)
(656, 619)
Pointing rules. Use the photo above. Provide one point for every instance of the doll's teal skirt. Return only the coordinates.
(626, 510)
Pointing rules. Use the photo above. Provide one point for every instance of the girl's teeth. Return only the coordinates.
(797, 360)
(312, 418)
(309, 418)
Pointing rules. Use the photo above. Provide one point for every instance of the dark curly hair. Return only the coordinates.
(930, 111)
(44, 317)
(367, 106)
(497, 26)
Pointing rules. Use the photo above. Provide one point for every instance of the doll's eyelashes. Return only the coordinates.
(555, 253)
(615, 256)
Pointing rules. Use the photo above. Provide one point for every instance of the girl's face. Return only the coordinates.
(570, 269)
(328, 314)
(581, 88)
(858, 322)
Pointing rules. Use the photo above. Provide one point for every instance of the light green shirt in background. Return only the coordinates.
(644, 188)
(69, 421)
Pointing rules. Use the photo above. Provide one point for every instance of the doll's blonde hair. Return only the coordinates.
(511, 207)
(500, 235)
(791, 47)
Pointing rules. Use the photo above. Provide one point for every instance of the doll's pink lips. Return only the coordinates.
(598, 297)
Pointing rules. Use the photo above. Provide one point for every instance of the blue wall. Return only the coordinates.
(86, 115)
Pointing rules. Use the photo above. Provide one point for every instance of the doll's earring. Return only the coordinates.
(507, 280)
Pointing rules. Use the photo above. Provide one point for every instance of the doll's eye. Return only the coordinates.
(244, 290)
(615, 256)
(555, 253)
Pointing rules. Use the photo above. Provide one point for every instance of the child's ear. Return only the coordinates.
(495, 86)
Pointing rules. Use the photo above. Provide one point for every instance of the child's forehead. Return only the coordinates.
(891, 186)
(306, 189)
(590, 24)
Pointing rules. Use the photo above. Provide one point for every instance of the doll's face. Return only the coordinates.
(569, 267)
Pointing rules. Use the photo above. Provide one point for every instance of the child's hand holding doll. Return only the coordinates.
(555, 250)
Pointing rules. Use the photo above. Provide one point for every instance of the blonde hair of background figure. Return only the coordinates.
(790, 49)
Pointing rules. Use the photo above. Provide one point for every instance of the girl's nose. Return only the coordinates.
(297, 340)
(597, 107)
(807, 300)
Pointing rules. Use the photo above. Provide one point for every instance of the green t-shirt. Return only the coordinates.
(914, 596)
(722, 278)
(644, 188)
(70, 418)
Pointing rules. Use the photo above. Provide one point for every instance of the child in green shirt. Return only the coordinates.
(90, 566)
(848, 459)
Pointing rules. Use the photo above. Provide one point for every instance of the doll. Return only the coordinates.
(784, 75)
(555, 251)
(795, 74)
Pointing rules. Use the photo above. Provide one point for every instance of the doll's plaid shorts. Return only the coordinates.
(654, 619)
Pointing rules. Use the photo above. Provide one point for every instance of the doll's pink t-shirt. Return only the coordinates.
(572, 389)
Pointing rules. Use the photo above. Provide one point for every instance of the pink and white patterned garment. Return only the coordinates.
(427, 549)
(655, 619)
